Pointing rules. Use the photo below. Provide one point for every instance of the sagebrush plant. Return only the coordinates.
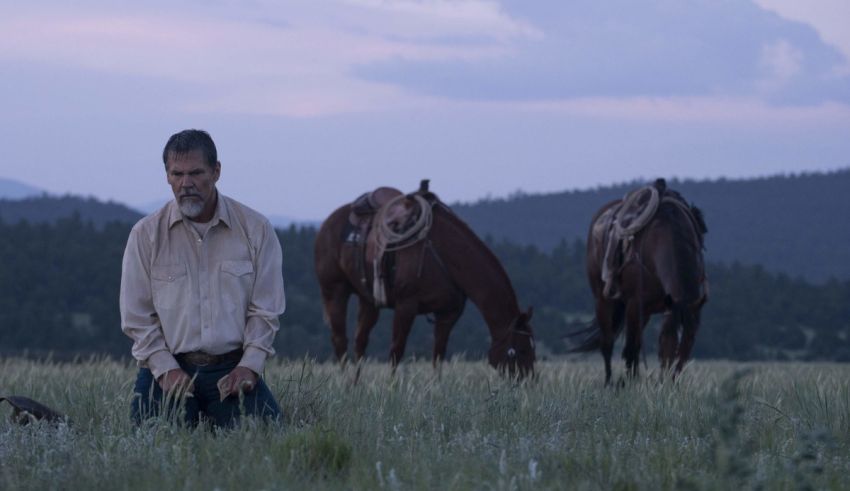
(314, 453)
(718, 426)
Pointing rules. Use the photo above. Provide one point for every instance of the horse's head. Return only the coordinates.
(514, 352)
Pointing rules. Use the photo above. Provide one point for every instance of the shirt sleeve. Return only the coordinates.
(267, 302)
(139, 320)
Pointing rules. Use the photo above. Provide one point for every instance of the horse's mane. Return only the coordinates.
(490, 257)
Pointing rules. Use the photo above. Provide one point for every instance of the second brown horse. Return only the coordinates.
(663, 272)
(435, 275)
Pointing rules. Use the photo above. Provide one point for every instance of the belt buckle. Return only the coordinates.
(200, 359)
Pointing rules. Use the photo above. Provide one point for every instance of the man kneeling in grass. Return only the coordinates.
(201, 292)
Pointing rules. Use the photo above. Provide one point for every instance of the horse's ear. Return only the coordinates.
(529, 313)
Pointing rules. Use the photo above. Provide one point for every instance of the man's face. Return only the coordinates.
(193, 184)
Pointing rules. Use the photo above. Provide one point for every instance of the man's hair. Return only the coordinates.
(188, 140)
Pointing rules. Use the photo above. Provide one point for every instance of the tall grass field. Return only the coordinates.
(718, 426)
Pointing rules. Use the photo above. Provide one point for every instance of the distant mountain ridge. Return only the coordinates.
(42, 208)
(49, 209)
(795, 224)
(12, 189)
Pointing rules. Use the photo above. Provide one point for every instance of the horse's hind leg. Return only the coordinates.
(367, 316)
(690, 325)
(635, 322)
(668, 339)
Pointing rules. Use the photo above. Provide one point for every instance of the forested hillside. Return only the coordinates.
(59, 292)
(793, 224)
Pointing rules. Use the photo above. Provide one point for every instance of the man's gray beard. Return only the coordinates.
(190, 207)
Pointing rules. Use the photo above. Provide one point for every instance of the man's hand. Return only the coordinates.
(241, 379)
(176, 380)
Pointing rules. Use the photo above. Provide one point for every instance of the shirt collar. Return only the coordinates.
(222, 212)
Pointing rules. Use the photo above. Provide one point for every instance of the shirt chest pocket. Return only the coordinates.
(236, 283)
(169, 286)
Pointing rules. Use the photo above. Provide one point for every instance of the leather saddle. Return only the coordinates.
(618, 225)
(369, 237)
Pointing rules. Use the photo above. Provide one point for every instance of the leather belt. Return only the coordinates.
(201, 359)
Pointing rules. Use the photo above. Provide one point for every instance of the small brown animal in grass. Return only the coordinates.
(26, 411)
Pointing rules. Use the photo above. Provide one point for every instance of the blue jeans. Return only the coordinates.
(149, 401)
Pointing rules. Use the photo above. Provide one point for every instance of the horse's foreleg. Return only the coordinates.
(335, 302)
(607, 350)
(367, 316)
(609, 316)
(444, 322)
(402, 322)
(668, 339)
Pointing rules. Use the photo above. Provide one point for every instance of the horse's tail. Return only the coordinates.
(678, 311)
(592, 334)
(686, 290)
(592, 338)
(686, 311)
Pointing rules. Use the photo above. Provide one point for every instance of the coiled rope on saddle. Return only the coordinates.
(626, 225)
(626, 220)
(393, 236)
(389, 239)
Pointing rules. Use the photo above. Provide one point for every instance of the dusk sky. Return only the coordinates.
(314, 102)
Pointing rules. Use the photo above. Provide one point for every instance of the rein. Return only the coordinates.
(430, 247)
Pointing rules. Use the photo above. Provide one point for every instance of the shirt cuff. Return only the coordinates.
(161, 362)
(254, 359)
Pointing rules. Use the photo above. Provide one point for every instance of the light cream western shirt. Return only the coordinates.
(183, 292)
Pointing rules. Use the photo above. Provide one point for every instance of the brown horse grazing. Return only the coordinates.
(660, 269)
(435, 274)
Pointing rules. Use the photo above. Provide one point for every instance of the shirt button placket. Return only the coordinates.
(204, 280)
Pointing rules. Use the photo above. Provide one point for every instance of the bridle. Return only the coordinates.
(512, 330)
